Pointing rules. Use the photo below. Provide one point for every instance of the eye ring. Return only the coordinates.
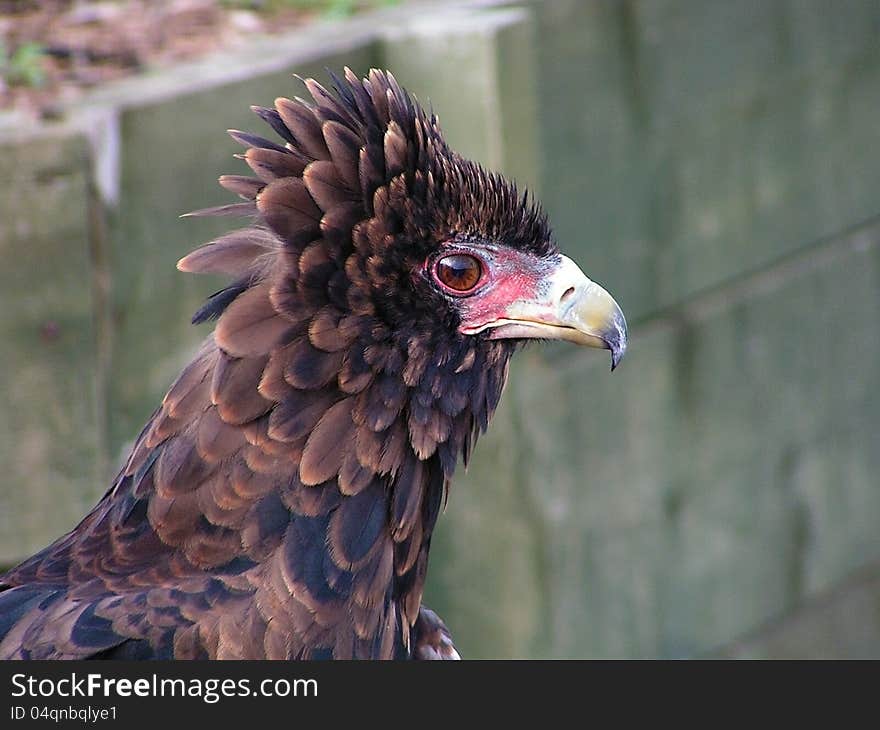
(458, 273)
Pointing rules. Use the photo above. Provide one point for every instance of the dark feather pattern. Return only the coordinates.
(243, 186)
(269, 164)
(273, 119)
(281, 501)
(231, 254)
(326, 445)
(217, 303)
(233, 209)
(305, 127)
(252, 140)
(289, 210)
(250, 326)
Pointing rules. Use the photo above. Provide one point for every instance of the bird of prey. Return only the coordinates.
(280, 502)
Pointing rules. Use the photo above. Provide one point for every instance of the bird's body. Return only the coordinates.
(280, 503)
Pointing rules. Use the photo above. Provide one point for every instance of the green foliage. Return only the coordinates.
(24, 66)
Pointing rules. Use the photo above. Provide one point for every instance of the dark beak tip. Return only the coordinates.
(617, 345)
(616, 357)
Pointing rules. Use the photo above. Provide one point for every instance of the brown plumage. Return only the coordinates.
(280, 502)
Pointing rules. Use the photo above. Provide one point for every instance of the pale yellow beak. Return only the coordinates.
(568, 307)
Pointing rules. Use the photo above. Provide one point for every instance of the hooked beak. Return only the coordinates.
(568, 306)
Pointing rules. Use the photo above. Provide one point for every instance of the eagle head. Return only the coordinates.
(393, 269)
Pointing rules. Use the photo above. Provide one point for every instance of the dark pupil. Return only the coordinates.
(459, 272)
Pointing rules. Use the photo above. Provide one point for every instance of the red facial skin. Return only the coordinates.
(507, 276)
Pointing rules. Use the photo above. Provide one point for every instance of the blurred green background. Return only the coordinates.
(715, 165)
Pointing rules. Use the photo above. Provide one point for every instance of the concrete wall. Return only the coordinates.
(715, 164)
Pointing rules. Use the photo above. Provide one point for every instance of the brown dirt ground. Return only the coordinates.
(86, 42)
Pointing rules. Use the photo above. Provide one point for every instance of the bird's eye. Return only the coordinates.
(459, 272)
